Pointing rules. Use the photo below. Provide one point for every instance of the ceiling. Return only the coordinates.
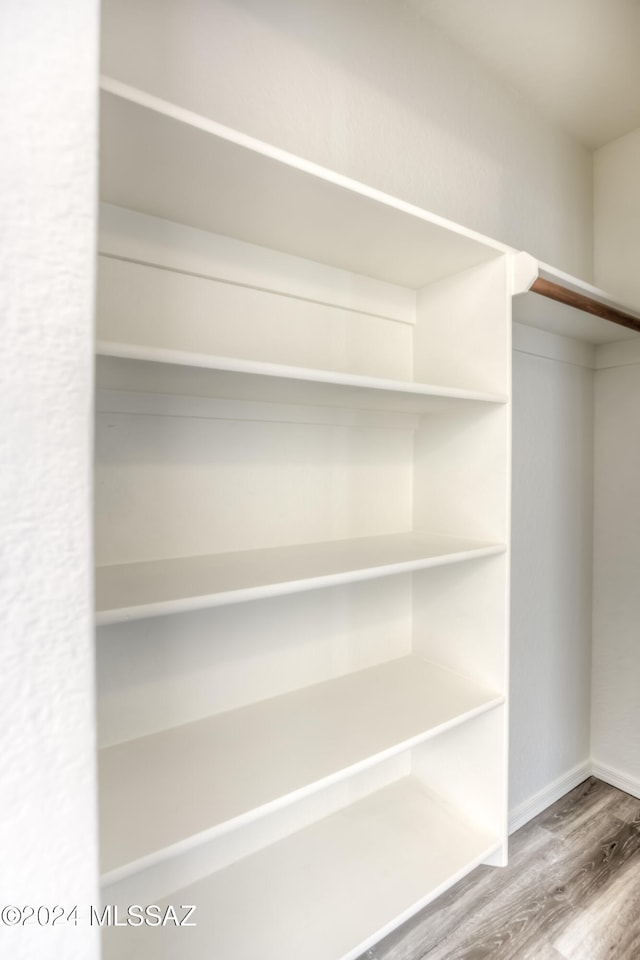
(577, 60)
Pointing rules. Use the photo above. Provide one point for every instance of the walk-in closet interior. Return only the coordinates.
(366, 394)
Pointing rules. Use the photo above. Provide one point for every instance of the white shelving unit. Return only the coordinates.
(302, 525)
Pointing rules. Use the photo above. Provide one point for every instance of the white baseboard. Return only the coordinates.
(543, 798)
(616, 778)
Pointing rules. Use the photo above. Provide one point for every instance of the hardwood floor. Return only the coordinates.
(571, 892)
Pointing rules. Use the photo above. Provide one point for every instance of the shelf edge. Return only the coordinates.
(182, 358)
(108, 617)
(164, 107)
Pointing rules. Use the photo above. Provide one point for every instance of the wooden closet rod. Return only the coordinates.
(555, 291)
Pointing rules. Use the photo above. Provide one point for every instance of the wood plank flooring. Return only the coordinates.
(571, 892)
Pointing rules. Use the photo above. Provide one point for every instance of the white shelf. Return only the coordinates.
(155, 369)
(130, 591)
(574, 317)
(160, 159)
(325, 893)
(167, 792)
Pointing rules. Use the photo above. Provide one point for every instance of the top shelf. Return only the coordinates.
(553, 300)
(162, 160)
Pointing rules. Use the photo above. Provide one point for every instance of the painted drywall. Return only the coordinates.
(616, 604)
(551, 566)
(367, 88)
(616, 217)
(616, 608)
(48, 65)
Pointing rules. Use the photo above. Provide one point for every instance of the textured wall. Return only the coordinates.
(367, 88)
(48, 66)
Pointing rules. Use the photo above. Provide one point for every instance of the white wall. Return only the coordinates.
(616, 217)
(616, 608)
(551, 568)
(616, 611)
(366, 87)
(48, 68)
